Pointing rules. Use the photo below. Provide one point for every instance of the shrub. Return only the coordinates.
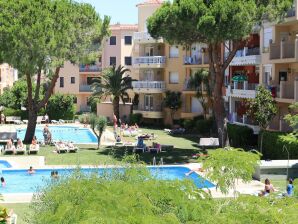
(273, 143)
(241, 136)
(135, 118)
(84, 119)
(199, 117)
(204, 126)
(61, 106)
(188, 124)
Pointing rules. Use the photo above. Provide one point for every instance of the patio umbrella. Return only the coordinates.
(239, 78)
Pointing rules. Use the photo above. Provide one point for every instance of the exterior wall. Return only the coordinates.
(106, 109)
(8, 76)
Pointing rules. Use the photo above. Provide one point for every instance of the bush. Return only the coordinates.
(135, 118)
(84, 118)
(61, 106)
(188, 124)
(241, 136)
(204, 126)
(17, 113)
(273, 143)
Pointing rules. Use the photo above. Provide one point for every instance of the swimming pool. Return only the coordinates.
(19, 181)
(64, 133)
(4, 164)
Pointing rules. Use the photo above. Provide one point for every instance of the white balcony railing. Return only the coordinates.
(153, 108)
(158, 85)
(144, 36)
(157, 60)
(243, 90)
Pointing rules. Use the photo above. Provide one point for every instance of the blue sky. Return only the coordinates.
(123, 11)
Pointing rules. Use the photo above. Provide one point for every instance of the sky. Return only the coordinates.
(123, 11)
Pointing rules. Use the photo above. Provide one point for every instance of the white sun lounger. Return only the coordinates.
(60, 148)
(10, 150)
(33, 150)
(209, 142)
(54, 122)
(72, 148)
(21, 150)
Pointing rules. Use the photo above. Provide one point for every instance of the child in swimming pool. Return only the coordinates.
(3, 184)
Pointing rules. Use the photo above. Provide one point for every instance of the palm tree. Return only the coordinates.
(200, 82)
(114, 82)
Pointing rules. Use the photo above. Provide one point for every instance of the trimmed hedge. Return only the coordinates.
(204, 126)
(241, 136)
(273, 143)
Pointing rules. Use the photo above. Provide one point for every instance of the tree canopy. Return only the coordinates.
(37, 37)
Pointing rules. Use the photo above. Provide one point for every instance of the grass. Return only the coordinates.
(22, 210)
(185, 147)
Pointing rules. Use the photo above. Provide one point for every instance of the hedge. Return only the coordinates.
(241, 136)
(204, 126)
(135, 118)
(273, 143)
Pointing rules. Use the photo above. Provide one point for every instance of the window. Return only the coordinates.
(174, 77)
(127, 60)
(61, 82)
(75, 100)
(113, 40)
(128, 40)
(72, 80)
(174, 52)
(112, 60)
(267, 37)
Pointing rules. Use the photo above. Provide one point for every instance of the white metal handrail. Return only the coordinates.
(150, 60)
(149, 84)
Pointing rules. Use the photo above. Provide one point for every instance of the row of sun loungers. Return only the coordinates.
(20, 150)
(63, 147)
(40, 120)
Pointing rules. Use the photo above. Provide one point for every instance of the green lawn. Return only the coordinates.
(22, 210)
(185, 147)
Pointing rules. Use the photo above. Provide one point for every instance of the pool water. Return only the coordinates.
(4, 164)
(19, 181)
(64, 133)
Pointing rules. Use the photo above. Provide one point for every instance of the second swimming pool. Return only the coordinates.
(19, 181)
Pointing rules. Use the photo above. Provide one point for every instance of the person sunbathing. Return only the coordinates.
(34, 144)
(10, 146)
(20, 145)
(267, 189)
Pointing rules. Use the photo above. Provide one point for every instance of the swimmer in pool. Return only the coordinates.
(31, 170)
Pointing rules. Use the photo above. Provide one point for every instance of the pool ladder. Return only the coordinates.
(160, 162)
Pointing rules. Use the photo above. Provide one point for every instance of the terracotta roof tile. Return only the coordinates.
(151, 2)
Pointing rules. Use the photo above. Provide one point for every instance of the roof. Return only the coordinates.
(151, 2)
(119, 26)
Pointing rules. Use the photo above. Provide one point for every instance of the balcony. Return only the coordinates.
(90, 68)
(285, 51)
(246, 90)
(85, 88)
(188, 88)
(85, 109)
(188, 114)
(195, 60)
(287, 92)
(150, 62)
(154, 111)
(244, 121)
(149, 86)
(145, 38)
(291, 12)
(247, 56)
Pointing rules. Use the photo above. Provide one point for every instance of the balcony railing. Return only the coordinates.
(283, 50)
(85, 88)
(85, 108)
(243, 90)
(286, 90)
(291, 12)
(158, 85)
(153, 108)
(158, 60)
(90, 68)
(144, 36)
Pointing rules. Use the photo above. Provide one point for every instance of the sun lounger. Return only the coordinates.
(12, 218)
(25, 121)
(33, 149)
(126, 133)
(54, 122)
(119, 144)
(13, 119)
(155, 148)
(40, 119)
(9, 150)
(209, 142)
(72, 148)
(138, 149)
(61, 121)
(17, 122)
(21, 150)
(61, 148)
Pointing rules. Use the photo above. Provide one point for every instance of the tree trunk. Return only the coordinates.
(116, 107)
(30, 131)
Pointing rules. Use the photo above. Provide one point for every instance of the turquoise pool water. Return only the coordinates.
(64, 133)
(4, 164)
(19, 181)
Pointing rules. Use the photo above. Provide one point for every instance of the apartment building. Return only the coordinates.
(8, 76)
(160, 67)
(241, 81)
(279, 45)
(77, 80)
